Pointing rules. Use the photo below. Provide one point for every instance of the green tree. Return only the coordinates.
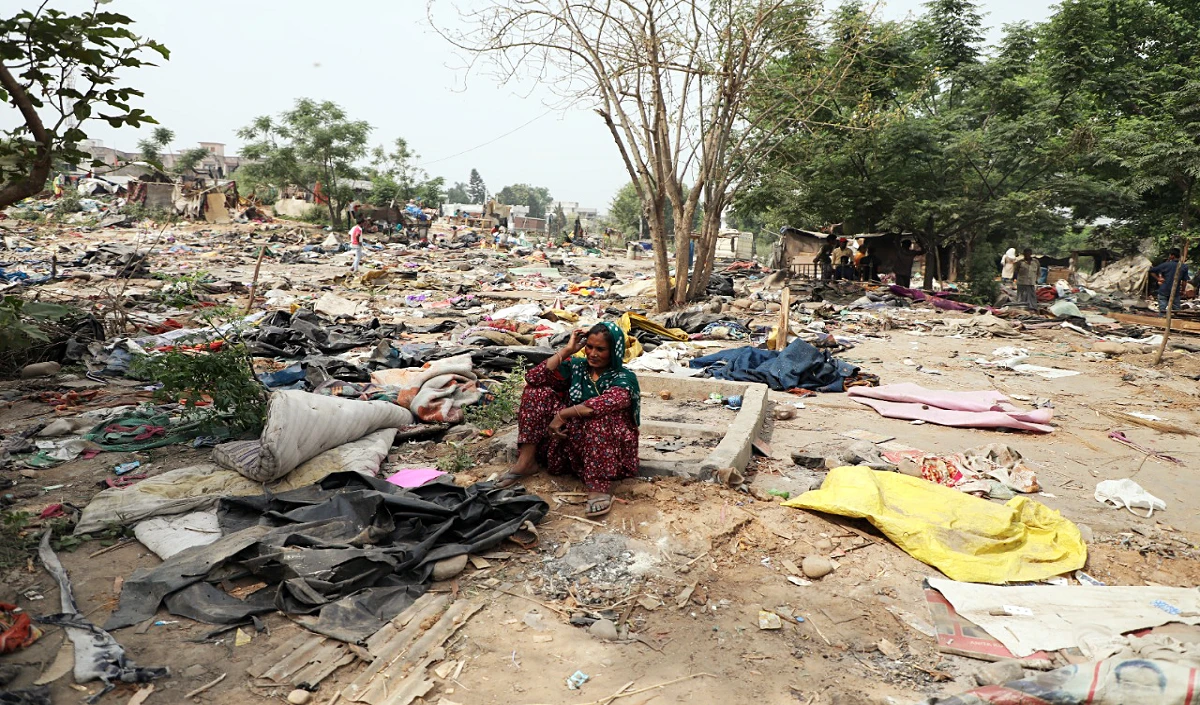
(432, 192)
(1130, 68)
(58, 71)
(476, 189)
(314, 147)
(189, 159)
(151, 148)
(625, 211)
(458, 193)
(394, 175)
(537, 198)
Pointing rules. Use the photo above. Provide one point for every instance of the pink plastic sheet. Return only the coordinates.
(982, 409)
(415, 477)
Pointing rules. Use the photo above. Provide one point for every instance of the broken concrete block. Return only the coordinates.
(1000, 672)
(603, 629)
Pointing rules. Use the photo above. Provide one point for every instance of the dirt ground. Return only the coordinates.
(687, 567)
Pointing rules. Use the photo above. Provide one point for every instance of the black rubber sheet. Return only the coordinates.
(344, 555)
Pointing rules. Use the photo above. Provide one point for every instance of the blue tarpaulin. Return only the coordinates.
(798, 365)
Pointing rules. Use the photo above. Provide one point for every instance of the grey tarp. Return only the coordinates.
(358, 551)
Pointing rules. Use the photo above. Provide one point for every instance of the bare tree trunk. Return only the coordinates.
(39, 171)
(706, 250)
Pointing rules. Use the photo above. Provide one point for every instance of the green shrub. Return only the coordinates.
(503, 400)
(224, 376)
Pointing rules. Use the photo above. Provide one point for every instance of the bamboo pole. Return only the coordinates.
(254, 282)
(1171, 298)
(781, 337)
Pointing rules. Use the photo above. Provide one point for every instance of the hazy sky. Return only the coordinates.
(379, 59)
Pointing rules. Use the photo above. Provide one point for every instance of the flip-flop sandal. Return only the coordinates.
(510, 479)
(593, 513)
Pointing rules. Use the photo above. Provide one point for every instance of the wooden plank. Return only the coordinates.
(400, 668)
(1178, 324)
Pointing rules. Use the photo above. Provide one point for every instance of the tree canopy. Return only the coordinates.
(58, 71)
(1091, 116)
(537, 198)
(314, 147)
(476, 189)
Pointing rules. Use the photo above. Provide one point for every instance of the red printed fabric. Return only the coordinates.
(598, 449)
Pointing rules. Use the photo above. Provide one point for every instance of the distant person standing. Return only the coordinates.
(1008, 266)
(841, 256)
(1165, 274)
(1027, 275)
(356, 234)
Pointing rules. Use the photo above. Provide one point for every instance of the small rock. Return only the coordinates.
(665, 395)
(784, 413)
(449, 567)
(40, 369)
(194, 671)
(816, 567)
(462, 432)
(999, 672)
(823, 545)
(1086, 532)
(758, 306)
(604, 630)
(809, 460)
(773, 307)
(299, 697)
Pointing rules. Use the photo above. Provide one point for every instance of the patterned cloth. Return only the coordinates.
(579, 377)
(600, 448)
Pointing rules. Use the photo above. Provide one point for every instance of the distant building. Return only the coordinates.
(572, 208)
(217, 165)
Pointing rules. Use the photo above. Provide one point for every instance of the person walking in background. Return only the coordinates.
(1026, 270)
(1008, 266)
(1165, 274)
(356, 233)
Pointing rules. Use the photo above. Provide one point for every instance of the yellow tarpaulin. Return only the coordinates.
(629, 321)
(967, 538)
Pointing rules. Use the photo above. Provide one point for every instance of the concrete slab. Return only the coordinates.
(735, 446)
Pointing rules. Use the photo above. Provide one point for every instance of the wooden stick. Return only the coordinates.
(1174, 292)
(254, 282)
(617, 694)
(205, 687)
(781, 337)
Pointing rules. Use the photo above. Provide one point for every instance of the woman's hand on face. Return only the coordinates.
(575, 344)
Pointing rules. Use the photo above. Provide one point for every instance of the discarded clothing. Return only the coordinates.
(799, 365)
(37, 695)
(359, 551)
(138, 431)
(301, 426)
(303, 333)
(98, 656)
(1109, 682)
(965, 537)
(692, 321)
(937, 300)
(436, 392)
(16, 629)
(982, 409)
(200, 487)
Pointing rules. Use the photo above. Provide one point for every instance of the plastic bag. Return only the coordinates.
(1128, 494)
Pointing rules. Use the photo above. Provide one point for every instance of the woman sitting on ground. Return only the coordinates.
(581, 416)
